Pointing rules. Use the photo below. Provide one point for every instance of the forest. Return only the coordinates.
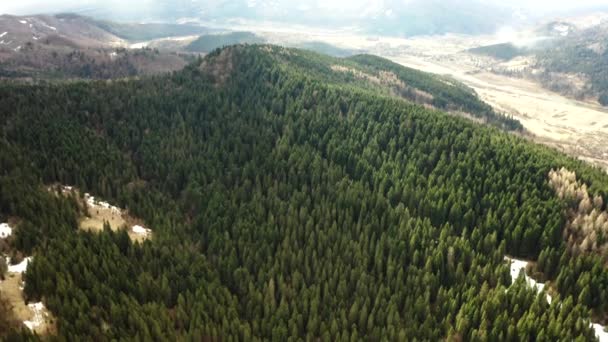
(291, 201)
(209, 42)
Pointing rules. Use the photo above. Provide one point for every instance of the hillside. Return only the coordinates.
(73, 46)
(566, 58)
(210, 42)
(580, 53)
(383, 77)
(142, 32)
(291, 194)
(502, 51)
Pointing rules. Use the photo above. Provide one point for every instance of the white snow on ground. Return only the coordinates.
(139, 45)
(599, 332)
(5, 230)
(23, 22)
(18, 48)
(39, 312)
(20, 267)
(3, 34)
(141, 230)
(518, 265)
(92, 202)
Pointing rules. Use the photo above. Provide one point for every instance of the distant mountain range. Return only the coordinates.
(390, 17)
(75, 46)
(569, 56)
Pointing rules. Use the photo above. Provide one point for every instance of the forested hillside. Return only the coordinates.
(209, 42)
(290, 199)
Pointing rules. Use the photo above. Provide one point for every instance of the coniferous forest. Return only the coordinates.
(288, 203)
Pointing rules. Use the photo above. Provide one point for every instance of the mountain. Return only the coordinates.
(580, 53)
(74, 46)
(567, 55)
(291, 194)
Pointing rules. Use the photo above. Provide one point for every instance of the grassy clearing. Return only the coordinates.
(12, 290)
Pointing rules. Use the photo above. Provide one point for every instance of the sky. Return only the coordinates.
(21, 7)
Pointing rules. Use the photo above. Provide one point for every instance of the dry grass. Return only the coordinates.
(587, 222)
(97, 218)
(99, 214)
(11, 291)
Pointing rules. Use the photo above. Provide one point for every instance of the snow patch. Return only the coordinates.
(3, 34)
(20, 267)
(139, 45)
(18, 48)
(39, 313)
(518, 265)
(23, 22)
(599, 332)
(139, 230)
(5, 230)
(93, 203)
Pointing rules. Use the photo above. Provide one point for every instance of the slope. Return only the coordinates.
(74, 46)
(286, 202)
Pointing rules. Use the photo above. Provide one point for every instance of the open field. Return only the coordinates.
(99, 212)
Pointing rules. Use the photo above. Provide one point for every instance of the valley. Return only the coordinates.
(576, 127)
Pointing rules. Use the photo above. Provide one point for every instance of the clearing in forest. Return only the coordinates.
(96, 212)
(33, 315)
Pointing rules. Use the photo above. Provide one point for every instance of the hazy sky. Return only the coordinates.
(39, 6)
(143, 10)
